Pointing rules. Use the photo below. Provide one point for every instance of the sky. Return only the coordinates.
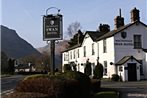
(25, 16)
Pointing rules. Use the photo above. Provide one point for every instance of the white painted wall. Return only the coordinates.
(122, 50)
(145, 68)
(92, 58)
(108, 56)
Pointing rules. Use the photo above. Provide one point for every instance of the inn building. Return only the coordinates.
(121, 51)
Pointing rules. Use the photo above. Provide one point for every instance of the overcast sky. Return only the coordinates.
(25, 16)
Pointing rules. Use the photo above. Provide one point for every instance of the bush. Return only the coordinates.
(67, 67)
(115, 77)
(65, 85)
(98, 71)
(51, 87)
(39, 85)
(72, 89)
(83, 89)
(95, 85)
(88, 68)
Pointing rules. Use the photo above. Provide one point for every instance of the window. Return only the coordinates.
(84, 48)
(141, 67)
(137, 41)
(74, 54)
(65, 57)
(120, 68)
(70, 54)
(93, 49)
(104, 46)
(105, 68)
(78, 53)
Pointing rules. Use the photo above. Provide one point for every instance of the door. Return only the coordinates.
(132, 72)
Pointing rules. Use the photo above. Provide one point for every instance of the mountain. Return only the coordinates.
(59, 48)
(13, 45)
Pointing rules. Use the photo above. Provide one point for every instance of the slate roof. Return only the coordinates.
(75, 46)
(125, 59)
(97, 36)
(113, 32)
(94, 34)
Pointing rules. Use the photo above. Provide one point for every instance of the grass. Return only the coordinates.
(5, 75)
(36, 76)
(108, 94)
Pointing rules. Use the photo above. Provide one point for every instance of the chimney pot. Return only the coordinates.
(135, 15)
(119, 20)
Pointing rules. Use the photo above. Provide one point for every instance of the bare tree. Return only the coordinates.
(73, 28)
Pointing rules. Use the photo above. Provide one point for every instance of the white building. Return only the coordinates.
(122, 51)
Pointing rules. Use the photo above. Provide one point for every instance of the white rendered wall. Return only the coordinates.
(92, 58)
(108, 56)
(125, 47)
(145, 69)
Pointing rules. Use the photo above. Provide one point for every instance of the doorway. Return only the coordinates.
(132, 72)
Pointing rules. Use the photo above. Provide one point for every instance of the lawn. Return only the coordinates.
(108, 94)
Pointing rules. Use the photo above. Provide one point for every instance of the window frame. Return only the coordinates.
(93, 52)
(104, 46)
(84, 48)
(137, 41)
(105, 68)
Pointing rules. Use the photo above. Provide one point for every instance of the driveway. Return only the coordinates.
(128, 89)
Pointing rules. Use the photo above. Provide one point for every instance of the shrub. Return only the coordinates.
(83, 80)
(88, 69)
(95, 85)
(66, 85)
(51, 87)
(115, 77)
(72, 89)
(98, 71)
(39, 85)
(67, 67)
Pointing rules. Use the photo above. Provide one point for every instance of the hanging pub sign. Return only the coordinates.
(52, 27)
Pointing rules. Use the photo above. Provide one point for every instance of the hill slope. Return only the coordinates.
(13, 45)
(59, 48)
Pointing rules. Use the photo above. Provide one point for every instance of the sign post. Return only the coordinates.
(52, 31)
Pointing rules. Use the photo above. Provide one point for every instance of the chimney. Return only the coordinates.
(135, 15)
(105, 28)
(119, 20)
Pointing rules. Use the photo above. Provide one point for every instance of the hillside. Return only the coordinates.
(59, 48)
(15, 46)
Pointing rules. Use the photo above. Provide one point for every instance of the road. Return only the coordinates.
(136, 89)
(9, 83)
